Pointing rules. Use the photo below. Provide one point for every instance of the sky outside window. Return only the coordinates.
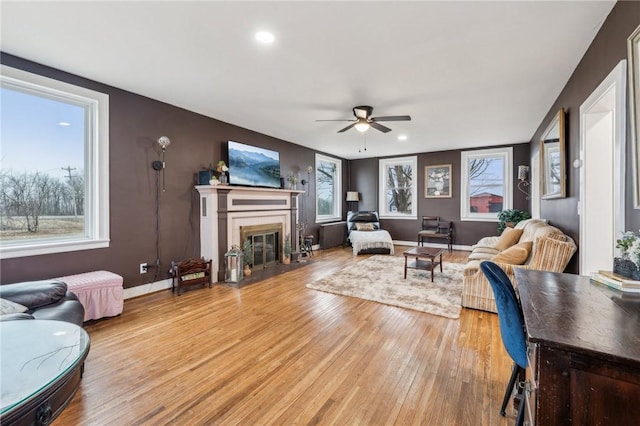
(40, 134)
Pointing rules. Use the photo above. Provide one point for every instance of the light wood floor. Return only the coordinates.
(276, 352)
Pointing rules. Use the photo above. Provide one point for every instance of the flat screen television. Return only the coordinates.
(253, 166)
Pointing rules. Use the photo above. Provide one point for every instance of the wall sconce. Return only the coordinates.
(309, 171)
(352, 198)
(523, 180)
(164, 142)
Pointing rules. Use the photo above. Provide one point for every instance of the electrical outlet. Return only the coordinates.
(144, 268)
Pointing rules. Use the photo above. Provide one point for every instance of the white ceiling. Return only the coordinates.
(469, 73)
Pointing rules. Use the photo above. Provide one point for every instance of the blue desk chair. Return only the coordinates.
(511, 328)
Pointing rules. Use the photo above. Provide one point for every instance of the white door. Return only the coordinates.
(602, 147)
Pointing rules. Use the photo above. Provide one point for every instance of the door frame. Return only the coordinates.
(616, 81)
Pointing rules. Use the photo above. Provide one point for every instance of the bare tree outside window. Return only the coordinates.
(399, 196)
(39, 205)
(325, 190)
(328, 188)
(485, 190)
(486, 175)
(398, 187)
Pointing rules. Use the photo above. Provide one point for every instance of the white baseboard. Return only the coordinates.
(436, 245)
(141, 290)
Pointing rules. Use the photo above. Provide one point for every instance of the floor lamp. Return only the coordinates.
(352, 198)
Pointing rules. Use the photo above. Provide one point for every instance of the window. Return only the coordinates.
(328, 188)
(486, 184)
(54, 189)
(399, 188)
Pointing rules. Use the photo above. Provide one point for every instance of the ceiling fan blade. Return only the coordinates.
(379, 127)
(347, 128)
(335, 120)
(392, 118)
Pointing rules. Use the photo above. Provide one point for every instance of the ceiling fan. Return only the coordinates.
(364, 120)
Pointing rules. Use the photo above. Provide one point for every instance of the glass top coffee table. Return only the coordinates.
(425, 259)
(41, 367)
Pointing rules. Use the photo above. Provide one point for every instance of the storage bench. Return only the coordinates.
(100, 292)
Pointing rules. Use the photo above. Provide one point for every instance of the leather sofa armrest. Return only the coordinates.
(34, 294)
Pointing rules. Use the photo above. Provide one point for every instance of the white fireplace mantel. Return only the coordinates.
(225, 208)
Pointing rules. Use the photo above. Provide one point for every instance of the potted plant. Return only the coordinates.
(628, 264)
(286, 249)
(510, 218)
(247, 258)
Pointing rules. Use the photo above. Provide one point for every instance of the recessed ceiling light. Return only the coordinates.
(402, 137)
(264, 37)
(64, 124)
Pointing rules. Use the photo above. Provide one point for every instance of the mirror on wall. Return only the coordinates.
(552, 158)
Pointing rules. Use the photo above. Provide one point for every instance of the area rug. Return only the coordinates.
(380, 279)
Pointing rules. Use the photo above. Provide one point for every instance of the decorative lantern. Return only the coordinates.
(233, 264)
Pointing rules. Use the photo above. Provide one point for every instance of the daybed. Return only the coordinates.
(365, 235)
(531, 244)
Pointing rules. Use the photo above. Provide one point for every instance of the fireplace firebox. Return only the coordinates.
(266, 242)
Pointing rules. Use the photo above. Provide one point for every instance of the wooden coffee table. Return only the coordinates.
(428, 253)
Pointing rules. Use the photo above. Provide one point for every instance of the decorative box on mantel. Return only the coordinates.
(626, 268)
(224, 210)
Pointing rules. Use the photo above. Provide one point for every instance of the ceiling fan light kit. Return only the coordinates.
(362, 125)
(364, 121)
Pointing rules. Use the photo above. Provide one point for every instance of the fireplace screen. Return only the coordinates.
(266, 241)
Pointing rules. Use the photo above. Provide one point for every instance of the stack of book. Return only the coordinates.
(616, 281)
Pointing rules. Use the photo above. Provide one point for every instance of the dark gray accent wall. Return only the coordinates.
(136, 122)
(364, 179)
(607, 49)
(364, 175)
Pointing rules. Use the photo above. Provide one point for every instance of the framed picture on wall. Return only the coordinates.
(437, 181)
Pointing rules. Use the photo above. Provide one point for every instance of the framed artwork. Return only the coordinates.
(437, 181)
(552, 158)
(634, 93)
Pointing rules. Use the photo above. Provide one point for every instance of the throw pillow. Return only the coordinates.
(509, 237)
(514, 255)
(364, 226)
(9, 307)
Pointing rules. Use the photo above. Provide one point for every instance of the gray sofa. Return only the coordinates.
(45, 300)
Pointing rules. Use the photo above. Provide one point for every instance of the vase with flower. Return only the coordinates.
(293, 181)
(222, 170)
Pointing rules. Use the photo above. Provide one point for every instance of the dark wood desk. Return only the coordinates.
(584, 350)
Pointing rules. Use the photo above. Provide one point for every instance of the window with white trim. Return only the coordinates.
(54, 180)
(486, 186)
(398, 188)
(328, 188)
